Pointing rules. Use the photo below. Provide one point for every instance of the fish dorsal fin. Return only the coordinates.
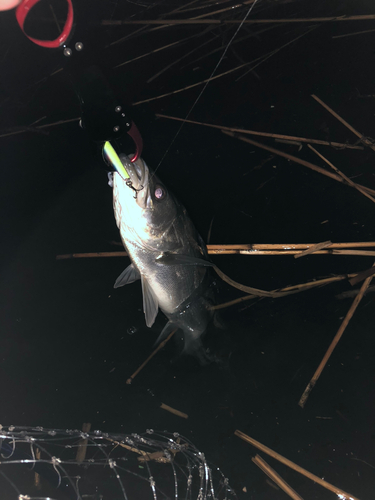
(150, 302)
(128, 275)
(174, 259)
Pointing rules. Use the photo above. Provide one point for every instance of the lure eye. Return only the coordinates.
(159, 192)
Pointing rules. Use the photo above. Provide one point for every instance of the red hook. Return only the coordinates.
(137, 138)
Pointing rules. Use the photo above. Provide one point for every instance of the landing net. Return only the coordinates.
(50, 464)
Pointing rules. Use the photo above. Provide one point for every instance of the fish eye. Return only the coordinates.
(159, 192)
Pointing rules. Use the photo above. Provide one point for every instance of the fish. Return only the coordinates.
(167, 254)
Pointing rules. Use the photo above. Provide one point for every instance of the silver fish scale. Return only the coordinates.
(172, 284)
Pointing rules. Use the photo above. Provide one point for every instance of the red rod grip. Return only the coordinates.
(22, 12)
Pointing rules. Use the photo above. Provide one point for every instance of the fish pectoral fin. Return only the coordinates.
(169, 327)
(129, 275)
(174, 259)
(150, 302)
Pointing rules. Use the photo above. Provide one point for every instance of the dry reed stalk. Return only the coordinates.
(159, 456)
(251, 249)
(249, 289)
(145, 456)
(160, 346)
(169, 22)
(341, 174)
(288, 246)
(335, 341)
(272, 474)
(275, 51)
(264, 134)
(47, 125)
(321, 282)
(90, 255)
(291, 142)
(295, 159)
(301, 287)
(354, 33)
(191, 86)
(182, 8)
(353, 293)
(361, 276)
(145, 27)
(38, 120)
(186, 54)
(362, 253)
(151, 52)
(82, 444)
(295, 467)
(231, 9)
(363, 139)
(231, 303)
(258, 61)
(126, 446)
(314, 249)
(37, 476)
(126, 37)
(165, 23)
(172, 410)
(172, 22)
(236, 41)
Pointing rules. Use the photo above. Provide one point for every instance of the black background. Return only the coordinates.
(67, 341)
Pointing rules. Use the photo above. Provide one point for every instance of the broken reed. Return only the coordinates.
(276, 478)
(336, 339)
(346, 179)
(338, 175)
(338, 491)
(295, 159)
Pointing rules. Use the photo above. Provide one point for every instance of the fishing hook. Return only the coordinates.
(130, 184)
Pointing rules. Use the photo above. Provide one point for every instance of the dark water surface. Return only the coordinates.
(69, 341)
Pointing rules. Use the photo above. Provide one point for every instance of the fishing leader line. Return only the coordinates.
(205, 86)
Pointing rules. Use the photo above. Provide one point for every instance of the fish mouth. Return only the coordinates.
(139, 177)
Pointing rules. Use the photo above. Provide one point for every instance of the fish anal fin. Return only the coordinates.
(150, 302)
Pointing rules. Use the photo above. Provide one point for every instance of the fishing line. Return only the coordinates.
(273, 52)
(205, 86)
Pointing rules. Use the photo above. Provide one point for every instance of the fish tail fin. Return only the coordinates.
(193, 346)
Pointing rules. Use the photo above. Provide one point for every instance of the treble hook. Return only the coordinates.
(130, 184)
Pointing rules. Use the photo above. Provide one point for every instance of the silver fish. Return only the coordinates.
(167, 255)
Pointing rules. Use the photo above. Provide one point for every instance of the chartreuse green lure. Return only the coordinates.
(112, 157)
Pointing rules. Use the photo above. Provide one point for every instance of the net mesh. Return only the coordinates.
(38, 463)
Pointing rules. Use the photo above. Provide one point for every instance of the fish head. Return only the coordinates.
(146, 207)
